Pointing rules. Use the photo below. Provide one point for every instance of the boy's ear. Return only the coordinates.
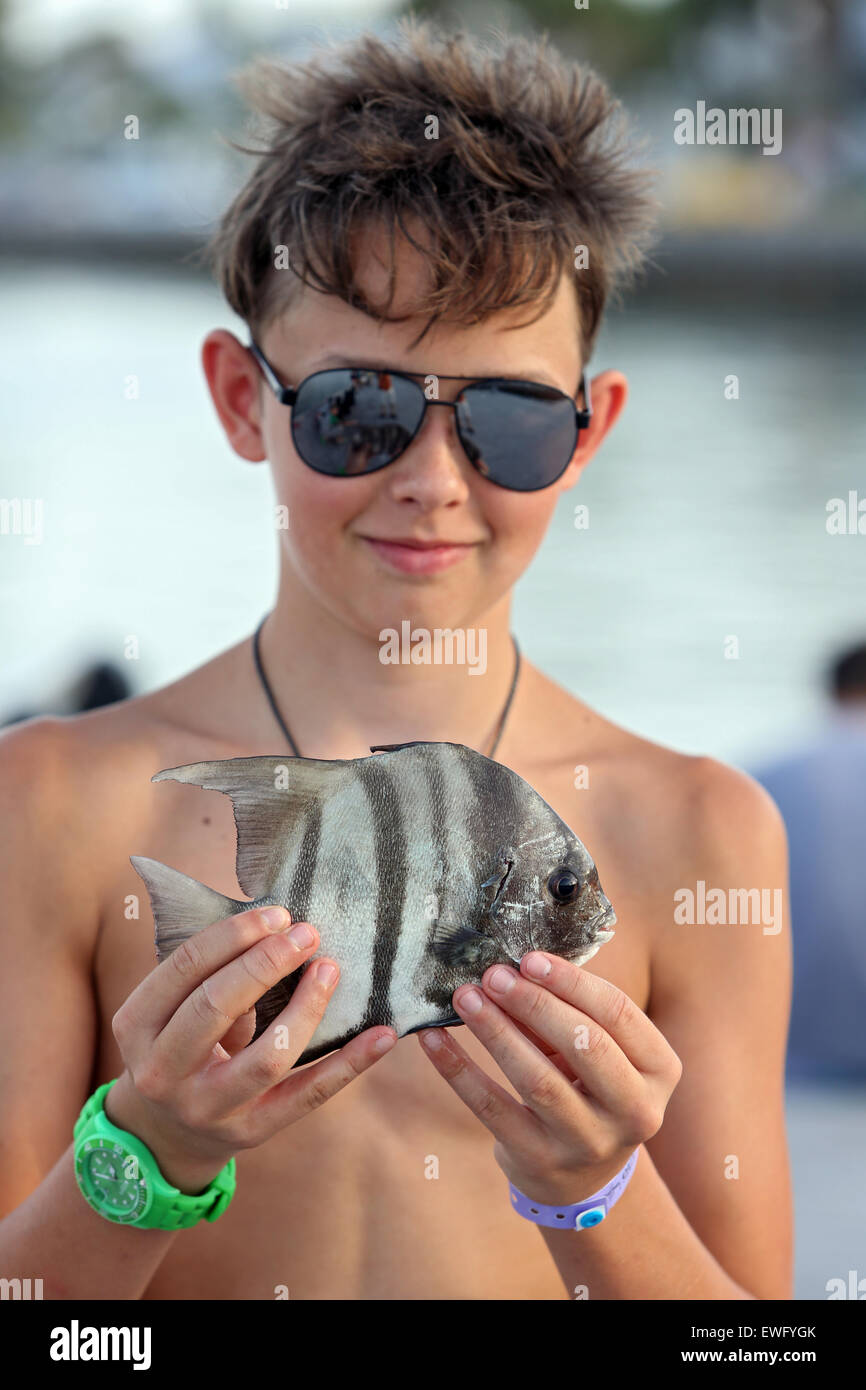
(234, 382)
(609, 391)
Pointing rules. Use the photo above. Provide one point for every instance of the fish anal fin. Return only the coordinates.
(453, 1021)
(181, 905)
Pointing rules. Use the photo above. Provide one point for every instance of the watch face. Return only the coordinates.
(110, 1179)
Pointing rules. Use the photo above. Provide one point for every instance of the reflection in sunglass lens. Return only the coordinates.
(351, 420)
(518, 434)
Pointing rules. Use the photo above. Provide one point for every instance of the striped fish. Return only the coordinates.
(419, 867)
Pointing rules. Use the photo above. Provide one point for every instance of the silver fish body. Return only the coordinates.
(420, 867)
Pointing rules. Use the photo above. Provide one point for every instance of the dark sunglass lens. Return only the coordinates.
(517, 433)
(350, 421)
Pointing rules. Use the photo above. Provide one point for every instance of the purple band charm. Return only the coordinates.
(580, 1215)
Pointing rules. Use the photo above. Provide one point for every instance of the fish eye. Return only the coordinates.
(563, 885)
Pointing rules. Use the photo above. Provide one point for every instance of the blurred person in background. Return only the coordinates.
(102, 683)
(821, 792)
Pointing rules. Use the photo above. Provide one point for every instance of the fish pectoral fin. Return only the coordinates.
(463, 946)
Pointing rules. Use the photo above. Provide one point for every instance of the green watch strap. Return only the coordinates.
(167, 1208)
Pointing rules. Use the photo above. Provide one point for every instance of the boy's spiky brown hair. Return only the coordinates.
(531, 161)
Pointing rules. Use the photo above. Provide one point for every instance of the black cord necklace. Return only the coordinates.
(260, 671)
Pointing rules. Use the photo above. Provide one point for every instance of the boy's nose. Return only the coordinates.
(433, 472)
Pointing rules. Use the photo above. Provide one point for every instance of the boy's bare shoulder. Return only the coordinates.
(73, 787)
(61, 801)
(104, 748)
(652, 793)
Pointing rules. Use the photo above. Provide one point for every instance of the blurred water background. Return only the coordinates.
(702, 602)
(706, 516)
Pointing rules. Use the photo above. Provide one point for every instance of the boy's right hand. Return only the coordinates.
(191, 1101)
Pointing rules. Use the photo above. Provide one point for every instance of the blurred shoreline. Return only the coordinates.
(712, 263)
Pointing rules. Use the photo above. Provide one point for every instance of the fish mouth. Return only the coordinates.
(596, 927)
(596, 934)
(605, 917)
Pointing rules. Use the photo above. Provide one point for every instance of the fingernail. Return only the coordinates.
(326, 972)
(501, 979)
(302, 935)
(537, 965)
(385, 1043)
(276, 918)
(432, 1038)
(470, 1001)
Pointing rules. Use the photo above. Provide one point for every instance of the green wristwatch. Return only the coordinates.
(119, 1176)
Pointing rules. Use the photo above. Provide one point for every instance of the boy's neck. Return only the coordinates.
(338, 696)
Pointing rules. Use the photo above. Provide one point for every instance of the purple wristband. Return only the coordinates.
(580, 1215)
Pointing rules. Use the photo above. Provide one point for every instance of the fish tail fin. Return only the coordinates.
(181, 905)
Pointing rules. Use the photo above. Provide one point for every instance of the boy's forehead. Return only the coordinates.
(317, 330)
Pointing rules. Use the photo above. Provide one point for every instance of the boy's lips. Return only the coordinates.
(413, 556)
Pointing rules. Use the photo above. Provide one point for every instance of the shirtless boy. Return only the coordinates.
(383, 1173)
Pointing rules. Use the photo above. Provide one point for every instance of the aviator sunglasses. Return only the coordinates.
(347, 421)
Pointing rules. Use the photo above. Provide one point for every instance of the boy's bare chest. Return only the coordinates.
(388, 1191)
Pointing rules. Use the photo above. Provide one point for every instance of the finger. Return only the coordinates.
(551, 1053)
(188, 1038)
(509, 1121)
(544, 1089)
(542, 1046)
(153, 1002)
(270, 1059)
(592, 1054)
(636, 1035)
(305, 1090)
(239, 1034)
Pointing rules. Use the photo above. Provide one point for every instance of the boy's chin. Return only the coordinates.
(410, 620)
(410, 609)
(372, 598)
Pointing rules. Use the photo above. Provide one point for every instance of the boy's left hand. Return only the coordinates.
(594, 1073)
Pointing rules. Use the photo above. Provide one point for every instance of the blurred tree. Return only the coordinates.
(621, 36)
(12, 86)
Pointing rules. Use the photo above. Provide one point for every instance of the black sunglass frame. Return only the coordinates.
(287, 395)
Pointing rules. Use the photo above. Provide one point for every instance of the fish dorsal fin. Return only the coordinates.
(268, 795)
(395, 747)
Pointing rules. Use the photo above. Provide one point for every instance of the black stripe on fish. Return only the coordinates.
(346, 885)
(484, 814)
(437, 793)
(305, 868)
(392, 872)
(494, 819)
(298, 902)
(438, 991)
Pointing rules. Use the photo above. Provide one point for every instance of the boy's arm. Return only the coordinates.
(48, 1032)
(193, 1102)
(708, 1213)
(721, 995)
(697, 1081)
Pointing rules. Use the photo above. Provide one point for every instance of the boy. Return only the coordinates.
(365, 1175)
